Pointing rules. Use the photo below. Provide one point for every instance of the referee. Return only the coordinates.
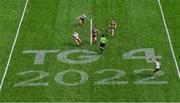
(103, 41)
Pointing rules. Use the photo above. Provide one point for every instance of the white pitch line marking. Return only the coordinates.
(169, 38)
(13, 46)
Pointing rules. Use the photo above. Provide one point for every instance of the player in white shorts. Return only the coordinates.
(157, 67)
(77, 38)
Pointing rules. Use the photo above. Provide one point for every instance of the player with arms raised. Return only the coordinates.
(95, 32)
(77, 38)
(112, 27)
(157, 67)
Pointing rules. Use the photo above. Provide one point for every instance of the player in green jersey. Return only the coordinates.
(103, 41)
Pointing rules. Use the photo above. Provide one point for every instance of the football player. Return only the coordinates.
(103, 41)
(82, 19)
(157, 67)
(77, 38)
(112, 27)
(95, 32)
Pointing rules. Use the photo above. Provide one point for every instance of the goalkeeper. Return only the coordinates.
(103, 41)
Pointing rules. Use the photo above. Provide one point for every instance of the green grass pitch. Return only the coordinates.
(64, 76)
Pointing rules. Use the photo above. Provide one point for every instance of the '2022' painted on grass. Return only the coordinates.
(84, 78)
(87, 56)
(90, 57)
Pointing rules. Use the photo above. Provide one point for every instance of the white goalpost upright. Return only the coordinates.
(91, 26)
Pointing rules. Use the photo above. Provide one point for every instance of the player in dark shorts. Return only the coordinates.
(157, 67)
(82, 19)
(112, 27)
(103, 41)
(95, 32)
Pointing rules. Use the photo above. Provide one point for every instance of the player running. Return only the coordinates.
(102, 43)
(112, 27)
(77, 38)
(157, 67)
(82, 19)
(95, 32)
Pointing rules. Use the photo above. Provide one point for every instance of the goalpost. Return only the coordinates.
(91, 26)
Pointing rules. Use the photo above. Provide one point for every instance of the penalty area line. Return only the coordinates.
(169, 38)
(13, 46)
